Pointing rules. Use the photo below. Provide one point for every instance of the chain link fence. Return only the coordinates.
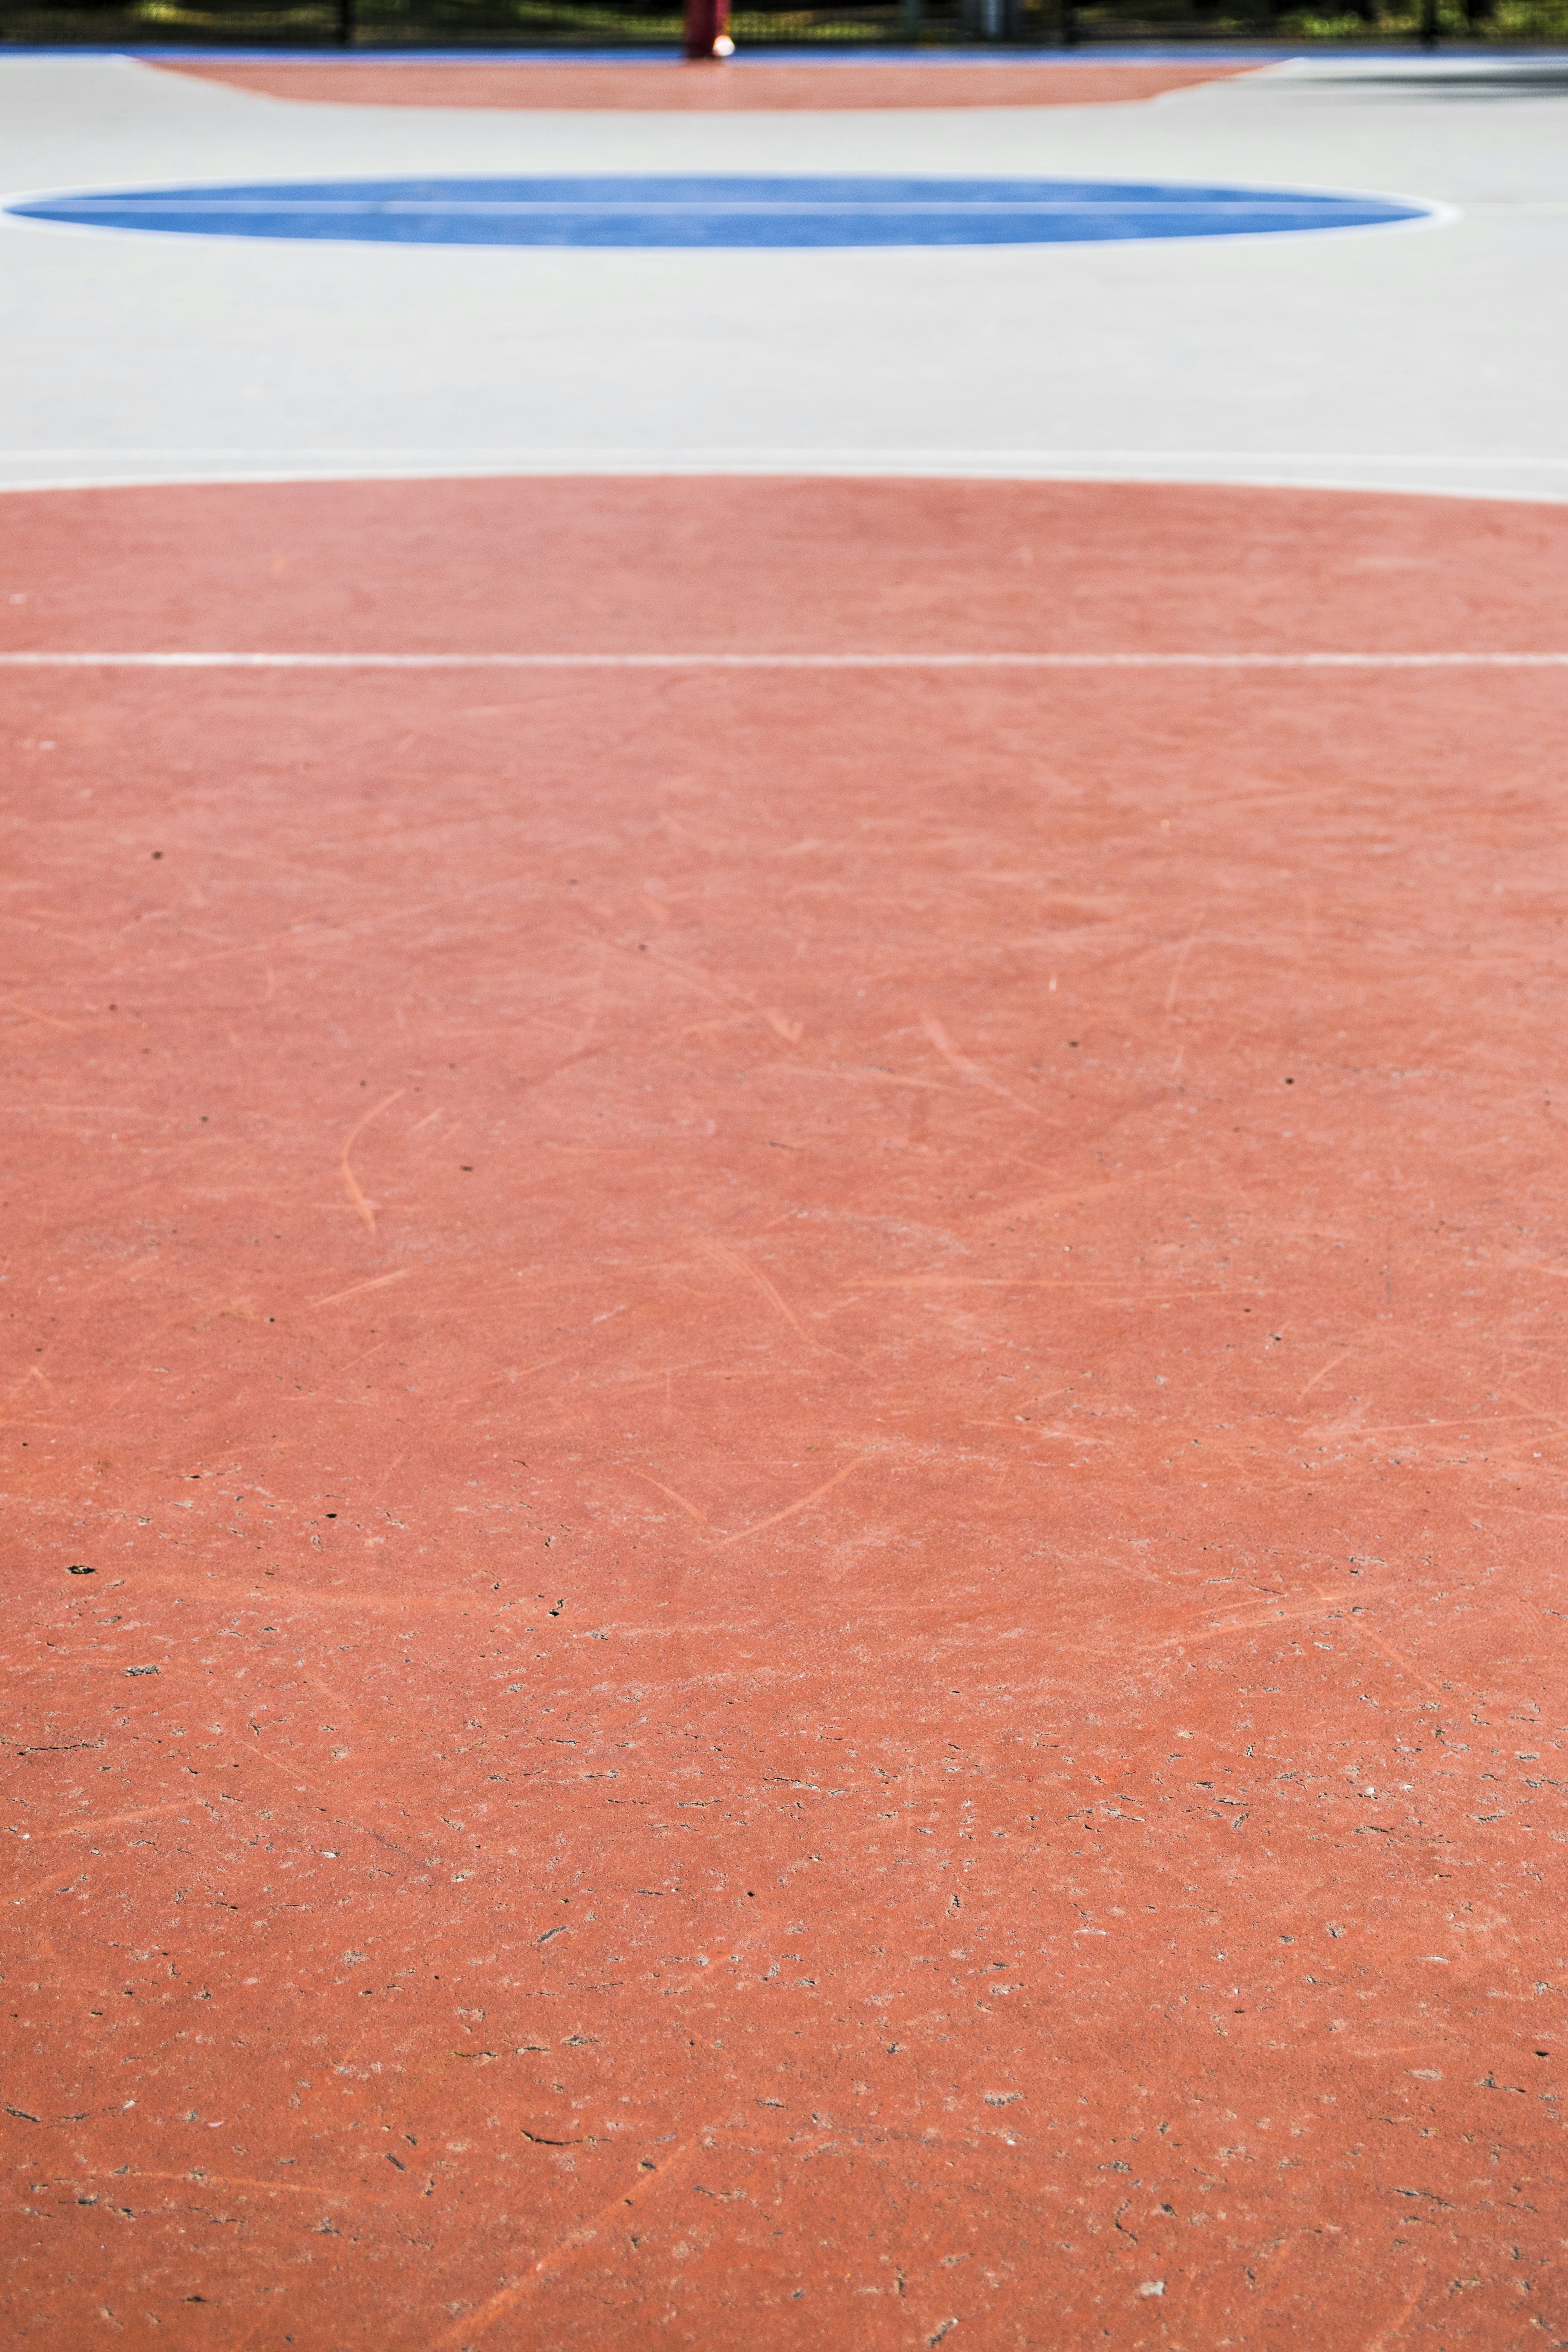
(566, 24)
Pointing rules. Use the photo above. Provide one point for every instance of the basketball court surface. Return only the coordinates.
(787, 1256)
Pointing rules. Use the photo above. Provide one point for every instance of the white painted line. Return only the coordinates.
(780, 661)
(1537, 480)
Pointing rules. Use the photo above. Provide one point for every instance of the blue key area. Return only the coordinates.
(712, 212)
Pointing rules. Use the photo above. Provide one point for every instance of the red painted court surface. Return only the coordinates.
(702, 88)
(819, 1415)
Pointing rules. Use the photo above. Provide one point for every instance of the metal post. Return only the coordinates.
(1069, 24)
(345, 24)
(909, 14)
(1428, 23)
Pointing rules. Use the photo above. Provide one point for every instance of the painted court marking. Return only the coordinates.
(622, 80)
(708, 210)
(782, 661)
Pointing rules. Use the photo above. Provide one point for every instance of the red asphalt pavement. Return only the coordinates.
(819, 1417)
(704, 86)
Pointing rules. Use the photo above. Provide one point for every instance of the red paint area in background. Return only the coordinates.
(704, 87)
(821, 1423)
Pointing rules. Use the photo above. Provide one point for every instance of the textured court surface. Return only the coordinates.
(786, 1407)
(820, 1421)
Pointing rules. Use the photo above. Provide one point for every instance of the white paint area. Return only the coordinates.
(1428, 357)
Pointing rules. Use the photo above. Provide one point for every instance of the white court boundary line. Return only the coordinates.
(1507, 481)
(809, 661)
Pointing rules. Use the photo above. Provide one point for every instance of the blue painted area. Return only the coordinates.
(712, 211)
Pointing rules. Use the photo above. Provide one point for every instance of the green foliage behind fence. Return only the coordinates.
(609, 24)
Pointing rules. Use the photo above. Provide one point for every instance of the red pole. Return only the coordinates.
(707, 28)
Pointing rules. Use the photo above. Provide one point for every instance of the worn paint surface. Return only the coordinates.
(709, 212)
(819, 1420)
(701, 88)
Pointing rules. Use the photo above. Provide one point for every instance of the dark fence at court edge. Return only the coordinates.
(1026, 26)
